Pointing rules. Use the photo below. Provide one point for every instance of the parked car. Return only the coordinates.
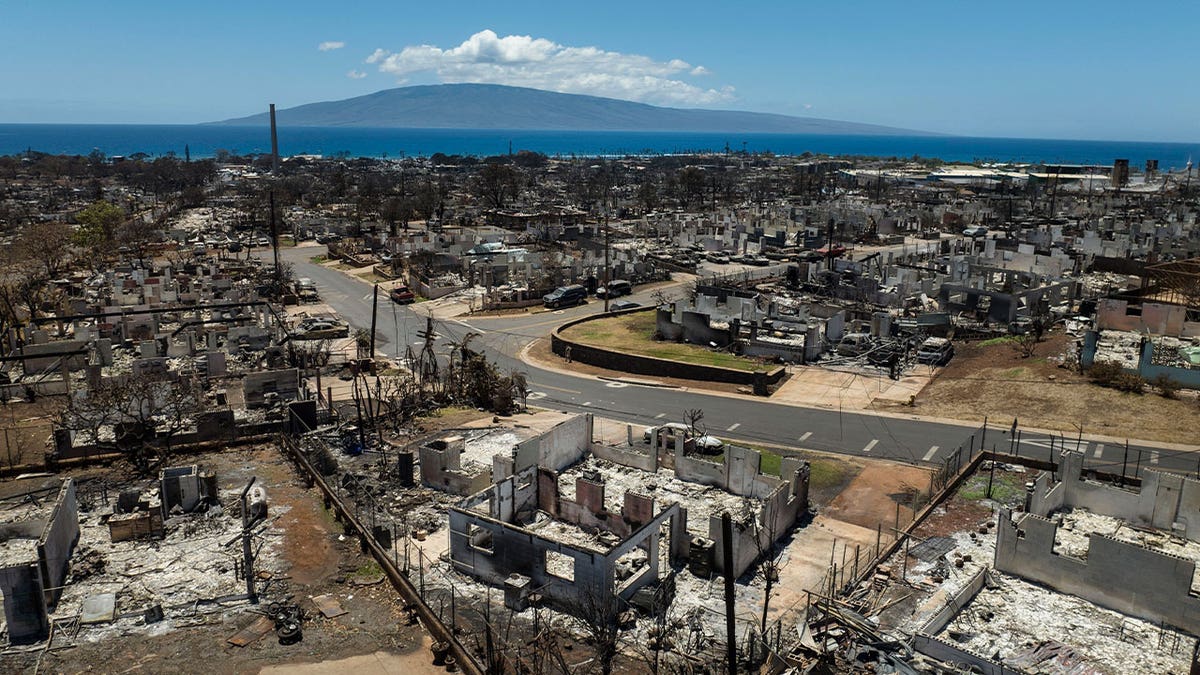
(402, 295)
(615, 289)
(975, 231)
(618, 305)
(565, 296)
(234, 247)
(935, 351)
(320, 328)
(758, 261)
(717, 258)
(678, 430)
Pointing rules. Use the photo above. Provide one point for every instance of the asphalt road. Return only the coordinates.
(744, 418)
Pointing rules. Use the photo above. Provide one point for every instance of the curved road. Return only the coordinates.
(756, 420)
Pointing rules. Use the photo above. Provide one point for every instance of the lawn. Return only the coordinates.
(634, 334)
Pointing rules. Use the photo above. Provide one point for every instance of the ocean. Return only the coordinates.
(206, 140)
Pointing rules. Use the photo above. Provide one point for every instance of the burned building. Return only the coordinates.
(35, 554)
(581, 523)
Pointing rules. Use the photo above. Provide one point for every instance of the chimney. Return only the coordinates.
(274, 142)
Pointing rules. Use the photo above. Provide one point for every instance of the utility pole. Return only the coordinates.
(374, 311)
(274, 143)
(247, 554)
(607, 269)
(730, 627)
(275, 242)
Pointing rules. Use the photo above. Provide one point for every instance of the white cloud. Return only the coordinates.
(525, 61)
(356, 74)
(331, 45)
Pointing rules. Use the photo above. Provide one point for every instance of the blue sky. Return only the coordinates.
(1094, 70)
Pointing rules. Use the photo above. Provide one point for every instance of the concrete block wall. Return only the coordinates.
(441, 468)
(1167, 501)
(944, 651)
(48, 356)
(647, 461)
(954, 604)
(780, 509)
(1154, 318)
(24, 605)
(285, 382)
(55, 546)
(492, 550)
(1117, 575)
(566, 442)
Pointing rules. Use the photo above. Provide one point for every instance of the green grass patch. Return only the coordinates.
(996, 341)
(368, 570)
(318, 259)
(634, 334)
(770, 462)
(825, 473)
(1007, 488)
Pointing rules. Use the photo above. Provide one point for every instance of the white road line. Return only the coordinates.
(929, 455)
(587, 402)
(733, 426)
(805, 436)
(1099, 450)
(1154, 457)
(870, 445)
(659, 416)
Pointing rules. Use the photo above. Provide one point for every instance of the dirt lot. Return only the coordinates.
(26, 429)
(995, 381)
(311, 558)
(879, 492)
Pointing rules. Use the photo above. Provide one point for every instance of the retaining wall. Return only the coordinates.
(648, 365)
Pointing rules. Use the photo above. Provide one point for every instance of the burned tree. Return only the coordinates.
(139, 417)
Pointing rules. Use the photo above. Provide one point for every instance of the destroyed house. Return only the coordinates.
(35, 554)
(583, 523)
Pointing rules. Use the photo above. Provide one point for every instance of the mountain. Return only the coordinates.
(493, 106)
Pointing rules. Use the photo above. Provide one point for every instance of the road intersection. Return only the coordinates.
(907, 438)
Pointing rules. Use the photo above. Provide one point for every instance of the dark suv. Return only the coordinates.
(565, 296)
(615, 289)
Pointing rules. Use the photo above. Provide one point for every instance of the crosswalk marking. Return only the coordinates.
(929, 455)
(733, 426)
(1154, 457)
(805, 436)
(1099, 450)
(870, 445)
